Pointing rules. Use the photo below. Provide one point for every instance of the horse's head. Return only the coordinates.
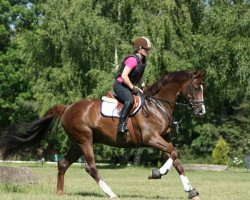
(193, 92)
(185, 83)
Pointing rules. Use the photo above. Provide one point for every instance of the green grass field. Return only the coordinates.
(129, 183)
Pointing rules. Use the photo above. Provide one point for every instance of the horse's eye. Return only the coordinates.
(197, 88)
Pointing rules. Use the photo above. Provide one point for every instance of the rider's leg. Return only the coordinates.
(126, 97)
(122, 126)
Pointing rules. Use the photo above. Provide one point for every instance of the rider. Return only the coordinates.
(130, 74)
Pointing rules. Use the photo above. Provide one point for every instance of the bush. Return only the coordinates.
(220, 152)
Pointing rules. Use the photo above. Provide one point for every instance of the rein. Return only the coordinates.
(191, 104)
(157, 102)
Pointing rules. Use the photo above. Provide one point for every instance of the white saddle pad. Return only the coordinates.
(109, 107)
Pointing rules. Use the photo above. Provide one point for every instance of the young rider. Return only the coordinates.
(130, 74)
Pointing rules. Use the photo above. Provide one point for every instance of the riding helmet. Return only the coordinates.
(142, 42)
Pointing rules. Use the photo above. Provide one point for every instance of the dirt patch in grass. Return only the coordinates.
(22, 175)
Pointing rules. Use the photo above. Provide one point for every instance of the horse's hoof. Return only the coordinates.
(193, 194)
(155, 174)
(196, 198)
(114, 197)
(60, 192)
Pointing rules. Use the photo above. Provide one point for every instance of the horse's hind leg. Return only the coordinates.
(73, 154)
(88, 153)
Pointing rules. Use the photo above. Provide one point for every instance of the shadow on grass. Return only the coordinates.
(111, 166)
(141, 196)
(94, 194)
(91, 194)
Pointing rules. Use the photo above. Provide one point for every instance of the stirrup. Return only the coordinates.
(122, 128)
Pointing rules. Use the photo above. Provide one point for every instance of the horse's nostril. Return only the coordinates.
(202, 112)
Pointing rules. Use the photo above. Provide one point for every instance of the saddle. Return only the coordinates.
(111, 106)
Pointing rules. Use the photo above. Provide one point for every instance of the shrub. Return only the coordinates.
(220, 152)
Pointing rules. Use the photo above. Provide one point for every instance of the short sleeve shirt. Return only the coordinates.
(130, 62)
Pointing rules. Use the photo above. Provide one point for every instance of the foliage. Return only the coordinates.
(220, 152)
(15, 97)
(208, 134)
(236, 162)
(62, 51)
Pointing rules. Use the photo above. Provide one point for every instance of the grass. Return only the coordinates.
(129, 183)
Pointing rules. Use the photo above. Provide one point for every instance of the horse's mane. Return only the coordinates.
(167, 77)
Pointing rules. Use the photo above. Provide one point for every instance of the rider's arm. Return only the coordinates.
(141, 82)
(125, 77)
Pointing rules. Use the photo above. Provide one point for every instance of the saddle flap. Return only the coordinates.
(111, 98)
(111, 106)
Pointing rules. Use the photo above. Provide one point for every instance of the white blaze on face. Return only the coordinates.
(203, 106)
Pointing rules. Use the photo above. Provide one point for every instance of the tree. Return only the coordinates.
(15, 18)
(62, 51)
(220, 152)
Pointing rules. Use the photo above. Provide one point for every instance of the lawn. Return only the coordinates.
(129, 183)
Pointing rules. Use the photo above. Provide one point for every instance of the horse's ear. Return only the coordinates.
(198, 76)
(203, 73)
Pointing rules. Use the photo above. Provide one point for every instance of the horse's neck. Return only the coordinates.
(165, 107)
(170, 91)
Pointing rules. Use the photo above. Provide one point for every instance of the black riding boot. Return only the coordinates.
(122, 126)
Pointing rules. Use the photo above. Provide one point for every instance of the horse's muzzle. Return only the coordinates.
(200, 110)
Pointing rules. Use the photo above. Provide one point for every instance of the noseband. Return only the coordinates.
(192, 103)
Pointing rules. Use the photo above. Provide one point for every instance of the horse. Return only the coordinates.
(85, 126)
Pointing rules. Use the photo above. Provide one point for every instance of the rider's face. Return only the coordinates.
(144, 51)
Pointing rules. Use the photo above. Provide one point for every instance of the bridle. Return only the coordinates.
(192, 103)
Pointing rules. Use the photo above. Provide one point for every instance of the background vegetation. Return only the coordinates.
(62, 51)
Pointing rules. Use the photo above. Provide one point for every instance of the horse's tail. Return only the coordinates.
(23, 135)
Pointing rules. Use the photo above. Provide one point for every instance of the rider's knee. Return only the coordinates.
(130, 102)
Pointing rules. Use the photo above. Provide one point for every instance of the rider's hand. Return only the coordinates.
(136, 90)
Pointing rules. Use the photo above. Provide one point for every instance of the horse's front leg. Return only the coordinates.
(193, 193)
(159, 143)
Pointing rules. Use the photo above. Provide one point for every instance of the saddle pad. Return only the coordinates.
(109, 108)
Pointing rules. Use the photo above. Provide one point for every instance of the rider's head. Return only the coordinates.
(142, 45)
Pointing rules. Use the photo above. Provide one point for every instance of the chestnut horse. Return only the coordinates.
(85, 125)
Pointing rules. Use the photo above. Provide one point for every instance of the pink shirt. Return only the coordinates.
(130, 62)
